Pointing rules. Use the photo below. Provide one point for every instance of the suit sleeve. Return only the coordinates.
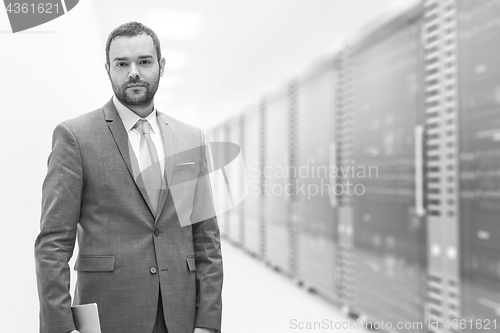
(61, 201)
(207, 247)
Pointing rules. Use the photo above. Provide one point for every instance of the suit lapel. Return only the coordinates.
(120, 136)
(168, 146)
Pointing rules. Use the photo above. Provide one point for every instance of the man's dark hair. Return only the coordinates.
(132, 29)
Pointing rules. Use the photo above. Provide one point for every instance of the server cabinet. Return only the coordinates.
(479, 163)
(235, 177)
(219, 135)
(251, 210)
(441, 194)
(276, 178)
(389, 235)
(316, 179)
(341, 158)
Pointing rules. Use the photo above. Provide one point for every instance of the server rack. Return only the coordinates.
(440, 105)
(263, 134)
(219, 134)
(479, 124)
(389, 233)
(252, 205)
(276, 202)
(343, 151)
(419, 100)
(293, 178)
(235, 230)
(317, 217)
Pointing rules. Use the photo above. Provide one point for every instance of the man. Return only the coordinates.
(120, 180)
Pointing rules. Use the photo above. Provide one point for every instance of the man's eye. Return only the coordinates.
(121, 64)
(145, 62)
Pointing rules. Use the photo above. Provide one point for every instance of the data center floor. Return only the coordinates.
(256, 299)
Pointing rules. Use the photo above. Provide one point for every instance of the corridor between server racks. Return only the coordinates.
(258, 299)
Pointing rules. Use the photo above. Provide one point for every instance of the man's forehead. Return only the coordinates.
(132, 45)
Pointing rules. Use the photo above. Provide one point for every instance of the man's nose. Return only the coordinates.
(134, 73)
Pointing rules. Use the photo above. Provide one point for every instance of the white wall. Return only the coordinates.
(48, 74)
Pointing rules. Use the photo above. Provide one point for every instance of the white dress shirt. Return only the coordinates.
(129, 119)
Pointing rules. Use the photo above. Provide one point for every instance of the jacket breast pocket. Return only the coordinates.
(95, 264)
(185, 166)
(184, 173)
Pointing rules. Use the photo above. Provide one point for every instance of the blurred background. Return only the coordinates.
(370, 133)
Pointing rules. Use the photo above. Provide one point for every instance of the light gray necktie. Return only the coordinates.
(150, 166)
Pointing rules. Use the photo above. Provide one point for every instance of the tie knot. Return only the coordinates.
(143, 126)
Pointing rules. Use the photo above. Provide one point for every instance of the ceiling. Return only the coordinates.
(235, 51)
(222, 55)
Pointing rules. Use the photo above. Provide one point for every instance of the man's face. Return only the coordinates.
(134, 70)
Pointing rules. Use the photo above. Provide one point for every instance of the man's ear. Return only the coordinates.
(162, 65)
(106, 66)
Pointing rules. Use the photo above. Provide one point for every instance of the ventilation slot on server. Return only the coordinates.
(439, 42)
(242, 179)
(293, 158)
(345, 256)
(262, 182)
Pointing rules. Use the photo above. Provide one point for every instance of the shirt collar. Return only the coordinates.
(130, 118)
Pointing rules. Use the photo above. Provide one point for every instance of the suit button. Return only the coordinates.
(157, 231)
(153, 270)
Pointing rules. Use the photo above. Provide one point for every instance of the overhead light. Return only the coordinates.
(175, 24)
(174, 59)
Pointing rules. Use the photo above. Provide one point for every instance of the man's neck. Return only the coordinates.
(140, 110)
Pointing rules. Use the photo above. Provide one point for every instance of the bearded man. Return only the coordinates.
(110, 186)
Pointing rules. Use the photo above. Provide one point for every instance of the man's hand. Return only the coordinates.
(204, 330)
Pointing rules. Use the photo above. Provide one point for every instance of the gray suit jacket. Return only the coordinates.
(91, 194)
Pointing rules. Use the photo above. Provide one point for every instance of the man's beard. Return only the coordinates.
(143, 99)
